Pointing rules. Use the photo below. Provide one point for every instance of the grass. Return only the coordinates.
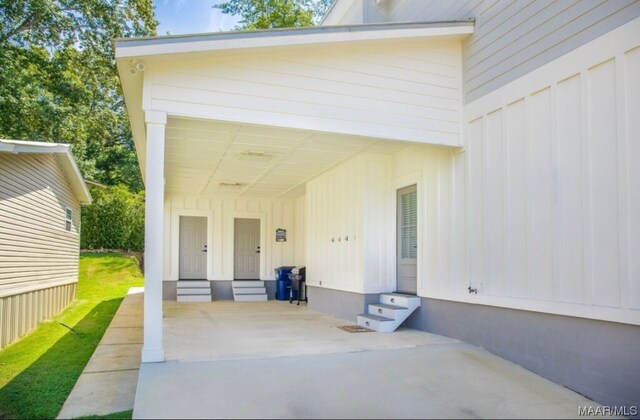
(38, 372)
(112, 416)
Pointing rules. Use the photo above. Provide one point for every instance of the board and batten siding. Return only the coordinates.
(220, 213)
(553, 185)
(402, 90)
(38, 256)
(347, 241)
(512, 37)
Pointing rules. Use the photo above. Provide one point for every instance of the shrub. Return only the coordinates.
(115, 220)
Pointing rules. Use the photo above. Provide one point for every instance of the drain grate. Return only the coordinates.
(354, 328)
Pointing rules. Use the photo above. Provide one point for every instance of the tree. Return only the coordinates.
(269, 14)
(58, 80)
(115, 220)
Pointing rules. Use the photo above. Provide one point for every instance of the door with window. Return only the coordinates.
(407, 240)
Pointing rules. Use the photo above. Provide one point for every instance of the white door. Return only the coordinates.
(407, 243)
(247, 249)
(193, 247)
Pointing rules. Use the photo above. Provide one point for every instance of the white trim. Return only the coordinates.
(155, 117)
(620, 40)
(263, 237)
(269, 39)
(403, 181)
(602, 313)
(175, 242)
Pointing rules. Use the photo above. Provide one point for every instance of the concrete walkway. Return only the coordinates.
(275, 360)
(108, 383)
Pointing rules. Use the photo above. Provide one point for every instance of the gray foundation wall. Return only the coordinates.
(220, 289)
(343, 305)
(598, 359)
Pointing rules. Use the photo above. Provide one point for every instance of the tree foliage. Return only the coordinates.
(270, 14)
(115, 220)
(58, 80)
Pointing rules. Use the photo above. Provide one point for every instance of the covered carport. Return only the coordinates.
(258, 114)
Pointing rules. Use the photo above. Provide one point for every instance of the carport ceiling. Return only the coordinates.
(218, 158)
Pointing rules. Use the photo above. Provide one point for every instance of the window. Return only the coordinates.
(68, 219)
(409, 225)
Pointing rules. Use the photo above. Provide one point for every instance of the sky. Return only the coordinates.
(191, 16)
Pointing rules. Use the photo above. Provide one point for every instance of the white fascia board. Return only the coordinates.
(140, 47)
(62, 153)
(21, 146)
(79, 187)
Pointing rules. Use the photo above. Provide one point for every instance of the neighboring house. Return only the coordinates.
(483, 155)
(41, 191)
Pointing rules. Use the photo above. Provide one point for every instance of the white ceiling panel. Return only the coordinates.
(266, 161)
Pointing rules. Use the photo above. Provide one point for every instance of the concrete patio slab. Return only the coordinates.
(245, 330)
(442, 381)
(275, 360)
(108, 382)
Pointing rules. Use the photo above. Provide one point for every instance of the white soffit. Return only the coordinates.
(220, 158)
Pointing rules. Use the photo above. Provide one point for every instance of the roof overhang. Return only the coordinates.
(62, 153)
(290, 37)
(161, 49)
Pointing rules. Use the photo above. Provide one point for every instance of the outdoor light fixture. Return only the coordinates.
(135, 66)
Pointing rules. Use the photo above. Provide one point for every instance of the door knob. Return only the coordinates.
(205, 249)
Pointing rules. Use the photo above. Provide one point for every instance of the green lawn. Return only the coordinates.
(38, 372)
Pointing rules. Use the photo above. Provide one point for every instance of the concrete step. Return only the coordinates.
(193, 291)
(387, 311)
(249, 290)
(375, 322)
(194, 298)
(193, 283)
(251, 298)
(247, 283)
(400, 299)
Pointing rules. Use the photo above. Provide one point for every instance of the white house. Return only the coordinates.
(41, 191)
(482, 155)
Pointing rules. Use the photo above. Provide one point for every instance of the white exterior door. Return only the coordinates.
(407, 241)
(247, 249)
(193, 247)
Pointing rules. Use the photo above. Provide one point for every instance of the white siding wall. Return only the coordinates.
(405, 90)
(221, 212)
(38, 257)
(511, 38)
(35, 249)
(346, 219)
(553, 186)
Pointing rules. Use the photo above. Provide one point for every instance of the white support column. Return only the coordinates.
(153, 350)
